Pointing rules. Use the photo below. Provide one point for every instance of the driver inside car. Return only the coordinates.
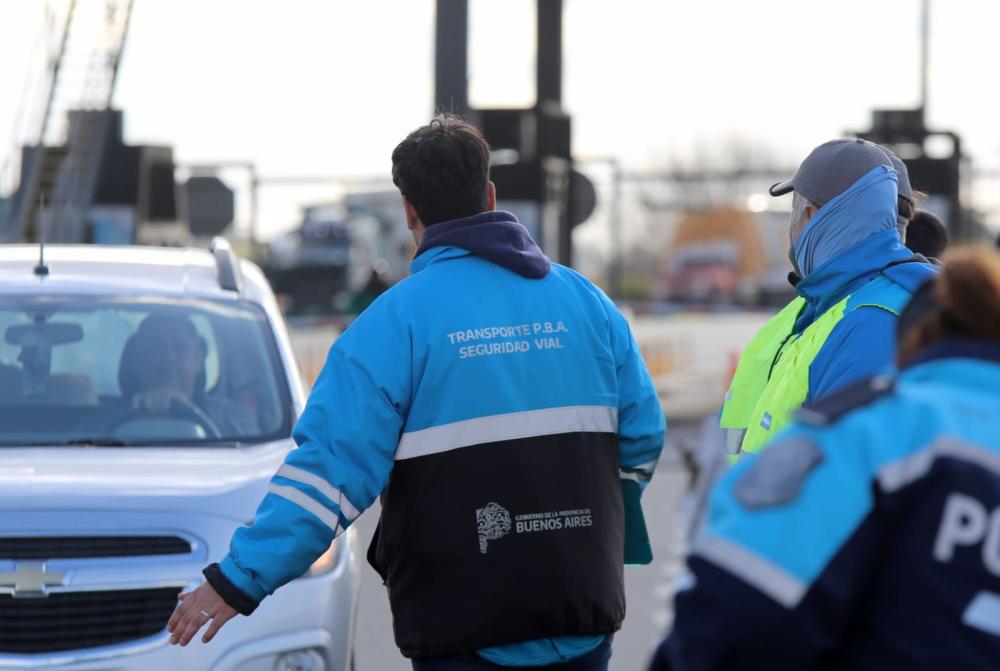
(162, 372)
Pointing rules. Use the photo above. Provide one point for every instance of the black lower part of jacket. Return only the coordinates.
(503, 542)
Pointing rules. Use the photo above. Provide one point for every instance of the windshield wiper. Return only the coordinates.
(98, 441)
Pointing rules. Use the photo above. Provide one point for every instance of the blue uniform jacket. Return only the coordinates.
(848, 242)
(862, 344)
(485, 326)
(864, 538)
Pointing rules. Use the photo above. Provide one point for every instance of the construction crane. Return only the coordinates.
(66, 122)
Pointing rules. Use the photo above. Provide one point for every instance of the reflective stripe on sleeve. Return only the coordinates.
(751, 568)
(900, 473)
(322, 486)
(640, 473)
(307, 503)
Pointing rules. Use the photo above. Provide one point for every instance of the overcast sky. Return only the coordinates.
(324, 86)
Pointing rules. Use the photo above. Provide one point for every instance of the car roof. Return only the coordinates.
(121, 270)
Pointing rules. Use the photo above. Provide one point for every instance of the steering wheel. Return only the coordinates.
(176, 410)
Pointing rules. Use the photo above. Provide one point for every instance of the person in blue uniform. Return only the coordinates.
(499, 406)
(867, 536)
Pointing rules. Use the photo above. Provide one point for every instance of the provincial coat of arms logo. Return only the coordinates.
(493, 522)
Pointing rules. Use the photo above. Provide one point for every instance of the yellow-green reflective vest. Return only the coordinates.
(772, 378)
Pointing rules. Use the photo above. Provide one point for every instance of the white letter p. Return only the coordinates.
(963, 523)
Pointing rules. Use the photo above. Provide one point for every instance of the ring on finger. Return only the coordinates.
(207, 616)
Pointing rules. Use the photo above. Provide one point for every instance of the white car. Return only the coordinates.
(147, 397)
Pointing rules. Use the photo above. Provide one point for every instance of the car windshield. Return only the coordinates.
(138, 371)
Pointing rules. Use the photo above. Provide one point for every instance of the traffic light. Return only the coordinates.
(540, 185)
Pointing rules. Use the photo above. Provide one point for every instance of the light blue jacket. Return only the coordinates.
(854, 239)
(860, 539)
(462, 338)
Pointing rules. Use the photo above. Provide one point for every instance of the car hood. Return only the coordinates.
(221, 481)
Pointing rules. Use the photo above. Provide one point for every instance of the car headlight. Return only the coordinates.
(300, 660)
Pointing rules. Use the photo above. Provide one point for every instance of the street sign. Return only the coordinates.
(211, 205)
(526, 181)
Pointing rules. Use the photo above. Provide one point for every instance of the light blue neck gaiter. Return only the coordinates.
(866, 208)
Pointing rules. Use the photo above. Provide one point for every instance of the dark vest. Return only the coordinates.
(503, 542)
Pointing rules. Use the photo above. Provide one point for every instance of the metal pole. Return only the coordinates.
(254, 184)
(118, 54)
(318, 180)
(54, 68)
(616, 264)
(548, 82)
(925, 24)
(451, 55)
(27, 190)
(615, 219)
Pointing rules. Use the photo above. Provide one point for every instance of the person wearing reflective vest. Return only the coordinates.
(499, 406)
(856, 276)
(867, 535)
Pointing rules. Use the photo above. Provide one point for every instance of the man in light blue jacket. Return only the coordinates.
(856, 276)
(496, 402)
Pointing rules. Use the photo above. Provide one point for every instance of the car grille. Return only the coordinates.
(77, 620)
(86, 547)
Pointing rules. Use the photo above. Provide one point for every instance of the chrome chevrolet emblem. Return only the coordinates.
(30, 580)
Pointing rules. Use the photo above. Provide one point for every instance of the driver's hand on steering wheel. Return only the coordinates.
(158, 400)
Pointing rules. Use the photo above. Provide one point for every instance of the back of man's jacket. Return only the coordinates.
(502, 396)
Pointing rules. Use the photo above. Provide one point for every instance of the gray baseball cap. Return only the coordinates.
(831, 168)
(904, 189)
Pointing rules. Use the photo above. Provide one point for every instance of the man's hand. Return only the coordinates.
(195, 610)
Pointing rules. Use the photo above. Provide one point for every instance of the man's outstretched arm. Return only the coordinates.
(347, 438)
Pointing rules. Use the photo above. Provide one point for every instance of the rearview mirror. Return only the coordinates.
(36, 335)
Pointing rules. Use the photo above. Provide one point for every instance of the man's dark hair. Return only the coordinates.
(926, 234)
(443, 169)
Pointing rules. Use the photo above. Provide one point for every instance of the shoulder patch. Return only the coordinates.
(830, 408)
(778, 472)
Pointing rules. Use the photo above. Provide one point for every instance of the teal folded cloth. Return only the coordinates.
(638, 551)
